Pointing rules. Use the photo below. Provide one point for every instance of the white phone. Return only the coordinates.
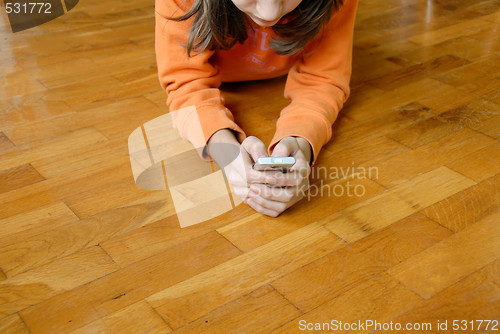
(282, 164)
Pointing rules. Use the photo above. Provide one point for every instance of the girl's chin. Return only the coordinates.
(263, 23)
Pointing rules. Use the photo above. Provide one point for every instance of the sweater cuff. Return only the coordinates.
(295, 126)
(198, 124)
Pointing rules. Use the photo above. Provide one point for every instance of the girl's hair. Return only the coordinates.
(219, 24)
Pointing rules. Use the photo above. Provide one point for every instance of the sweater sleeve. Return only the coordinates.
(192, 83)
(318, 84)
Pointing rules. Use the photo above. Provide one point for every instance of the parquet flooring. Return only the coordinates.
(84, 250)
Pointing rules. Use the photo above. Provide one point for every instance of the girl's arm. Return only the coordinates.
(318, 85)
(192, 83)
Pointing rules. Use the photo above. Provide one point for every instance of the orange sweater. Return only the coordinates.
(317, 84)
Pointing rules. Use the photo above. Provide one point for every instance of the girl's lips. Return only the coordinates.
(264, 22)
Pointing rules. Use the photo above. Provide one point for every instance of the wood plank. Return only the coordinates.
(458, 46)
(50, 148)
(13, 325)
(450, 96)
(479, 165)
(141, 243)
(260, 311)
(352, 154)
(369, 72)
(424, 132)
(44, 282)
(465, 28)
(104, 119)
(407, 75)
(64, 73)
(18, 177)
(256, 230)
(20, 83)
(96, 174)
(159, 98)
(451, 259)
(90, 159)
(136, 318)
(5, 142)
(377, 212)
(116, 291)
(490, 128)
(431, 129)
(476, 297)
(86, 94)
(89, 203)
(380, 298)
(192, 298)
(31, 223)
(23, 109)
(493, 97)
(471, 114)
(476, 79)
(349, 131)
(344, 269)
(467, 206)
(421, 92)
(425, 158)
(22, 254)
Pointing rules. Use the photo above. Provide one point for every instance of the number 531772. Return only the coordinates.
(28, 8)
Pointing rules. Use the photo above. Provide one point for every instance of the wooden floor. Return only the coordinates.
(84, 250)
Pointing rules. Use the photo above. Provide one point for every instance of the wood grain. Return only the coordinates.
(66, 273)
(380, 297)
(478, 291)
(13, 324)
(247, 314)
(136, 318)
(84, 250)
(467, 250)
(192, 298)
(362, 219)
(113, 292)
(340, 271)
(479, 165)
(467, 206)
(257, 230)
(425, 158)
(18, 177)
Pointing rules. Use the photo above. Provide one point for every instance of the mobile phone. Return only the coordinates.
(282, 164)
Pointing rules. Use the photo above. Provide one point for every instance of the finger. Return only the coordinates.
(290, 179)
(278, 194)
(263, 210)
(301, 166)
(266, 203)
(285, 148)
(237, 171)
(256, 177)
(255, 147)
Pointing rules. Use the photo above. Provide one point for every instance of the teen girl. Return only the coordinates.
(201, 43)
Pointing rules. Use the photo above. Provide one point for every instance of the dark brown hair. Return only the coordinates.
(219, 24)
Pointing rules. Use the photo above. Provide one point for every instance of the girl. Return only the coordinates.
(200, 43)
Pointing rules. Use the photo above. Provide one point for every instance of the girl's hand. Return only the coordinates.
(237, 160)
(282, 190)
(240, 173)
